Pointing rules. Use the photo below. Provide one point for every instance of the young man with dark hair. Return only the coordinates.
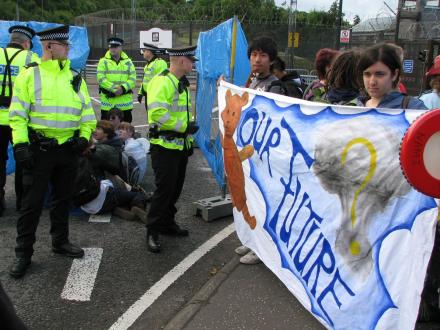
(261, 53)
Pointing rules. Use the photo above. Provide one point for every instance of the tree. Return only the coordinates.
(356, 20)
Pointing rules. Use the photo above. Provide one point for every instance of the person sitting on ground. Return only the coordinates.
(136, 148)
(116, 116)
(323, 62)
(290, 82)
(343, 85)
(97, 191)
(105, 134)
(432, 98)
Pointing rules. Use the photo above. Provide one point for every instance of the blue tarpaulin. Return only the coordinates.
(214, 50)
(79, 50)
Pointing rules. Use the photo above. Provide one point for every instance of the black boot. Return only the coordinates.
(19, 267)
(69, 250)
(153, 241)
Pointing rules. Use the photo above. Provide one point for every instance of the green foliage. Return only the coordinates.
(164, 10)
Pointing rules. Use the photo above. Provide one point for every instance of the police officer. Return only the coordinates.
(13, 59)
(116, 77)
(170, 116)
(155, 65)
(52, 120)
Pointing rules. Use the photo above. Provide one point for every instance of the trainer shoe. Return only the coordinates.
(242, 250)
(250, 259)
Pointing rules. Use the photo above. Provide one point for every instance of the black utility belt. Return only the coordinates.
(45, 144)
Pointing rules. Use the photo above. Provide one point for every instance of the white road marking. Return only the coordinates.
(81, 280)
(99, 102)
(136, 310)
(100, 217)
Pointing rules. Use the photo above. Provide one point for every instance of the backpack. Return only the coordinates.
(130, 171)
(289, 88)
(87, 185)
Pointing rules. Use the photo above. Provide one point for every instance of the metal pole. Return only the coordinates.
(396, 35)
(133, 22)
(338, 28)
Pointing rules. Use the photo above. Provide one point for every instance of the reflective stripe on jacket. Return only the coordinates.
(110, 75)
(23, 58)
(169, 109)
(44, 100)
(153, 68)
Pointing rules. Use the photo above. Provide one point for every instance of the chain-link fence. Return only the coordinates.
(125, 24)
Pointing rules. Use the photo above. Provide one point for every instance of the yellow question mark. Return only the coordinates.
(355, 248)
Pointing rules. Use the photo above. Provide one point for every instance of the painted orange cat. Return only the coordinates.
(232, 157)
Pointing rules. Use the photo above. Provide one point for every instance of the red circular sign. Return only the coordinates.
(420, 152)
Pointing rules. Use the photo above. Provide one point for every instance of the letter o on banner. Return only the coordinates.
(420, 154)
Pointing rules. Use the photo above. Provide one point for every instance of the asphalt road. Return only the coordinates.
(126, 270)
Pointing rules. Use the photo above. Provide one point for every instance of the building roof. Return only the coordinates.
(375, 25)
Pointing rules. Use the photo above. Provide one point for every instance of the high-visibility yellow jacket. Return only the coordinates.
(44, 100)
(154, 67)
(111, 75)
(19, 61)
(169, 109)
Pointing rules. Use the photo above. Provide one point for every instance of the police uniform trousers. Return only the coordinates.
(58, 167)
(5, 139)
(169, 168)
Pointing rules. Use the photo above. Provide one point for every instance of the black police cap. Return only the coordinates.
(27, 31)
(58, 33)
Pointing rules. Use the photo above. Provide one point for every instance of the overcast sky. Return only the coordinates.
(363, 8)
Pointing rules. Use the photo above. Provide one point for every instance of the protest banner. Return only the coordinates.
(319, 195)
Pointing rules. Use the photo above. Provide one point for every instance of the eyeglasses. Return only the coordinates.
(60, 43)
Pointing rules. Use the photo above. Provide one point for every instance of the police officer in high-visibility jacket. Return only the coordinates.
(52, 119)
(13, 59)
(155, 65)
(116, 77)
(171, 126)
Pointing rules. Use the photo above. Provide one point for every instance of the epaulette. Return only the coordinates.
(164, 72)
(31, 65)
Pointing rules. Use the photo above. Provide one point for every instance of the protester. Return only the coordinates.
(45, 147)
(343, 83)
(116, 77)
(97, 196)
(399, 50)
(105, 133)
(115, 116)
(323, 61)
(290, 82)
(261, 53)
(136, 148)
(13, 59)
(432, 99)
(380, 68)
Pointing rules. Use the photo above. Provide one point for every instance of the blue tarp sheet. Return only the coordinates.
(79, 51)
(214, 52)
